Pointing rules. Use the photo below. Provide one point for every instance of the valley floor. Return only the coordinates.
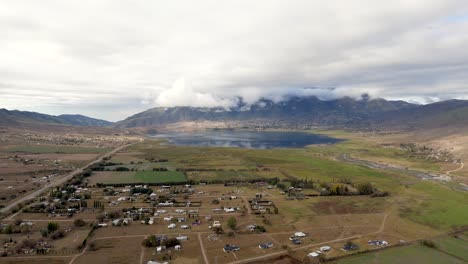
(298, 182)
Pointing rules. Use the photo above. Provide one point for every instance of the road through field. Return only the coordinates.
(459, 168)
(62, 179)
(251, 260)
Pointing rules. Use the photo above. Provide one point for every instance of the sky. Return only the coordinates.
(111, 59)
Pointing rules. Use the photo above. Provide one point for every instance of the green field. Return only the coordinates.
(158, 177)
(429, 203)
(403, 255)
(457, 246)
(38, 149)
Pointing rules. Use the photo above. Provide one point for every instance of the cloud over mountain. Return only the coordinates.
(93, 57)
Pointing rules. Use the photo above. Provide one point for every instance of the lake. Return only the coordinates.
(246, 139)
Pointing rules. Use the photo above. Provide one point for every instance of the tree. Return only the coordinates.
(79, 222)
(8, 229)
(232, 222)
(51, 227)
(151, 241)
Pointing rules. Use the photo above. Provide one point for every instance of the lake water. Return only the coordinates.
(246, 139)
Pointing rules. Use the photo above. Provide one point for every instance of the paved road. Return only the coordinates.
(61, 180)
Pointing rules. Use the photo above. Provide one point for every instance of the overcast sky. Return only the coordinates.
(110, 59)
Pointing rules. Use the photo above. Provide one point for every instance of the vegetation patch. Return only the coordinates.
(408, 254)
(55, 149)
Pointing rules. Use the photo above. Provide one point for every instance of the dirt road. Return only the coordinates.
(61, 180)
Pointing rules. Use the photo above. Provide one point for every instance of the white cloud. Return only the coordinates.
(109, 58)
(182, 94)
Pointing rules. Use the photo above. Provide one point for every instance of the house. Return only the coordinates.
(230, 248)
(350, 246)
(296, 241)
(180, 211)
(181, 219)
(172, 226)
(251, 228)
(182, 238)
(166, 204)
(116, 222)
(380, 243)
(169, 218)
(184, 226)
(313, 254)
(178, 247)
(160, 249)
(229, 210)
(102, 225)
(26, 224)
(300, 234)
(266, 245)
(216, 223)
(155, 262)
(325, 248)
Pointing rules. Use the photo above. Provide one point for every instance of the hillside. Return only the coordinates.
(446, 114)
(17, 118)
(310, 111)
(306, 110)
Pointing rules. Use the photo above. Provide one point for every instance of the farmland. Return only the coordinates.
(146, 177)
(311, 190)
(447, 250)
(410, 254)
(37, 149)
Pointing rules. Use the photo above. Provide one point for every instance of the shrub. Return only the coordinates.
(58, 234)
(428, 243)
(365, 188)
(232, 222)
(44, 232)
(79, 222)
(51, 227)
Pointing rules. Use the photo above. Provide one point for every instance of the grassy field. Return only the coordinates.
(160, 176)
(35, 149)
(457, 246)
(427, 203)
(115, 177)
(403, 255)
(231, 175)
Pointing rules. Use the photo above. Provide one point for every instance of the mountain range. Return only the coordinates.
(311, 111)
(295, 112)
(17, 118)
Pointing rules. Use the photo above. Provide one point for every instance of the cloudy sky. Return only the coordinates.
(110, 59)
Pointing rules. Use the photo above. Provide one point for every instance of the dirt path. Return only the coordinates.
(61, 180)
(382, 227)
(455, 170)
(142, 254)
(202, 247)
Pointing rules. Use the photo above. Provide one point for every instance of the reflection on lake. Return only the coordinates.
(246, 139)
